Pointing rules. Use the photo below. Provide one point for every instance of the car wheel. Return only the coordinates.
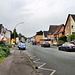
(59, 48)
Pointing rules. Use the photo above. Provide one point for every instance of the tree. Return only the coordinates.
(71, 37)
(14, 34)
(63, 38)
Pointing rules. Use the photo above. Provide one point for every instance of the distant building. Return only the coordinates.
(39, 35)
(45, 33)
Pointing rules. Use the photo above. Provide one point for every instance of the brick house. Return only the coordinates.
(55, 31)
(59, 32)
(70, 25)
(38, 36)
(50, 35)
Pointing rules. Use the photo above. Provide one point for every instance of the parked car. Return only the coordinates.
(45, 44)
(73, 42)
(67, 47)
(22, 46)
(33, 42)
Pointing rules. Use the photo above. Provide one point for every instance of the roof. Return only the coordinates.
(73, 16)
(39, 33)
(58, 28)
(52, 29)
(45, 33)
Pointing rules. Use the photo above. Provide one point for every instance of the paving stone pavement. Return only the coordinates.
(17, 64)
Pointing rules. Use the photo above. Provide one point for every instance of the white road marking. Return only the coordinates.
(32, 57)
(42, 65)
(53, 71)
(36, 60)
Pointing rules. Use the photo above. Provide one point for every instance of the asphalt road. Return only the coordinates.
(61, 62)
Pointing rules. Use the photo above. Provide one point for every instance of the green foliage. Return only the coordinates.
(10, 46)
(1, 59)
(2, 44)
(71, 37)
(63, 38)
(4, 49)
(60, 42)
(14, 34)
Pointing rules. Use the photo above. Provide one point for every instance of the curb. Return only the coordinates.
(35, 68)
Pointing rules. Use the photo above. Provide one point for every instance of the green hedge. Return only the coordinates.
(63, 38)
(4, 49)
(60, 42)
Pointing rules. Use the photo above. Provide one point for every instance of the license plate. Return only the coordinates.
(73, 47)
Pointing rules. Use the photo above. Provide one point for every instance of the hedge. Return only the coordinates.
(4, 49)
(63, 38)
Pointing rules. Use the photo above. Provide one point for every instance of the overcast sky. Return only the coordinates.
(36, 14)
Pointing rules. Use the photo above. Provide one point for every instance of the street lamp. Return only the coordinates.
(15, 29)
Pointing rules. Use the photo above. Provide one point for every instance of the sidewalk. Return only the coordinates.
(17, 64)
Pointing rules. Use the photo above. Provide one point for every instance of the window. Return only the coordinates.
(67, 27)
(72, 26)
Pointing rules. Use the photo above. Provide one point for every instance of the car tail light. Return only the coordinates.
(70, 47)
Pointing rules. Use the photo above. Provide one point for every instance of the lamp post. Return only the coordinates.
(15, 29)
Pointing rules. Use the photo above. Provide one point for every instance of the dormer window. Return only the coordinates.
(67, 27)
(72, 26)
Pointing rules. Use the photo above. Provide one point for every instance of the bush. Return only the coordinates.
(4, 49)
(71, 37)
(63, 38)
(2, 44)
(60, 42)
(10, 46)
(2, 52)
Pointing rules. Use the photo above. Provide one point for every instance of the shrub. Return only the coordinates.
(4, 49)
(60, 42)
(63, 38)
(2, 44)
(71, 37)
(10, 46)
(2, 52)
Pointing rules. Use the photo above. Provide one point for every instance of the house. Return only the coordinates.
(59, 32)
(8, 36)
(45, 33)
(38, 36)
(70, 25)
(52, 30)
(6, 33)
(55, 31)
(44, 39)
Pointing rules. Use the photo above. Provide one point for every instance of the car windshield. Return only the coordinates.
(22, 44)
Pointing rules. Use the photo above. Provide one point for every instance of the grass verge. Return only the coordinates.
(1, 59)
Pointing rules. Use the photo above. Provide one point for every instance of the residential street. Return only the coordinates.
(51, 61)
